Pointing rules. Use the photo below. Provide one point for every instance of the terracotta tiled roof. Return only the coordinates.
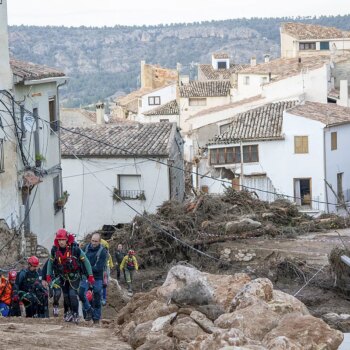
(152, 139)
(220, 55)
(170, 108)
(326, 113)
(304, 31)
(31, 71)
(262, 123)
(205, 89)
(281, 68)
(209, 73)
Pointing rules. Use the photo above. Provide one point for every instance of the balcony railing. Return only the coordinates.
(128, 194)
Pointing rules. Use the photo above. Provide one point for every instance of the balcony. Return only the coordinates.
(119, 195)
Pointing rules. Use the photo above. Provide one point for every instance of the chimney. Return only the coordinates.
(100, 113)
(5, 69)
(184, 79)
(143, 78)
(344, 94)
(178, 67)
(299, 59)
(253, 61)
(267, 58)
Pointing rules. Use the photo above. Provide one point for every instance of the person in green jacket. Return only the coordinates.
(70, 265)
(129, 265)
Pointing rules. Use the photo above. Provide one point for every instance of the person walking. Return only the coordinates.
(97, 255)
(129, 265)
(119, 256)
(72, 266)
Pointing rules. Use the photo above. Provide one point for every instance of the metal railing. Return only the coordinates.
(130, 194)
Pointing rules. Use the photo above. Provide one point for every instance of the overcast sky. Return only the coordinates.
(138, 12)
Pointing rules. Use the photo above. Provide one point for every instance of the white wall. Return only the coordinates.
(186, 110)
(313, 84)
(288, 46)
(281, 165)
(44, 221)
(90, 205)
(5, 71)
(338, 161)
(157, 118)
(166, 94)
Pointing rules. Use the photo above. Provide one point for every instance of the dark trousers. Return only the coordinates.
(70, 296)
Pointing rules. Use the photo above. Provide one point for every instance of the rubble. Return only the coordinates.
(207, 220)
(230, 311)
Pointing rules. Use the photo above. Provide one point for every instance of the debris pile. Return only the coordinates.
(200, 223)
(194, 310)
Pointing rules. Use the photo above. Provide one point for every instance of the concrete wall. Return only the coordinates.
(90, 205)
(166, 94)
(186, 110)
(288, 46)
(338, 161)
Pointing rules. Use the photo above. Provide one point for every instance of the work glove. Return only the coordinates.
(15, 298)
(91, 280)
(48, 279)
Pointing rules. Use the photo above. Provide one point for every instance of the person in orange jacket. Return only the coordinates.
(6, 292)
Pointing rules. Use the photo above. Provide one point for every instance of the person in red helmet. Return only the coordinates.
(29, 290)
(6, 292)
(70, 264)
(129, 265)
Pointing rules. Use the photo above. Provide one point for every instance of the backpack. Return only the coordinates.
(98, 254)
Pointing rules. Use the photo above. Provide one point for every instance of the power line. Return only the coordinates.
(184, 170)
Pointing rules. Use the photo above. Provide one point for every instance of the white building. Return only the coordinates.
(138, 163)
(300, 39)
(287, 151)
(29, 191)
(168, 112)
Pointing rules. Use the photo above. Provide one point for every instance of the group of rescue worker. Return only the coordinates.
(79, 273)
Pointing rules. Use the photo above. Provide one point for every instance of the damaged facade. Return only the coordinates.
(30, 177)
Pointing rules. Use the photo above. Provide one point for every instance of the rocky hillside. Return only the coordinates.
(105, 61)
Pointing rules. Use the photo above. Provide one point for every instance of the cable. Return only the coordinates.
(187, 171)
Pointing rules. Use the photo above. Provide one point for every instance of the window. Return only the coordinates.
(340, 193)
(153, 100)
(246, 80)
(301, 144)
(232, 155)
(164, 120)
(227, 155)
(197, 101)
(334, 141)
(224, 128)
(222, 65)
(2, 156)
(263, 80)
(129, 187)
(53, 114)
(324, 45)
(250, 154)
(307, 46)
(302, 192)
